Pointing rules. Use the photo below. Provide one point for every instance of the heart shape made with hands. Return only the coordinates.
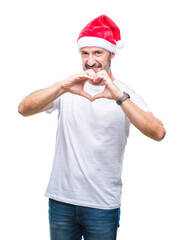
(92, 90)
(103, 86)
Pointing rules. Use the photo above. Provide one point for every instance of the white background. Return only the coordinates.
(38, 48)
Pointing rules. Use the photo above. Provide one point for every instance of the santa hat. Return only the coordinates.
(101, 32)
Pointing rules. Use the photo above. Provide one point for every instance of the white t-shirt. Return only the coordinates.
(90, 146)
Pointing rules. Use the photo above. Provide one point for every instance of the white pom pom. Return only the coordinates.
(119, 44)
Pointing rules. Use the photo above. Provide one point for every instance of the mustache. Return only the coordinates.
(94, 65)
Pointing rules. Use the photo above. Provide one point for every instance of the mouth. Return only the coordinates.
(95, 67)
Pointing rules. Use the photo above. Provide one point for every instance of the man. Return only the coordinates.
(95, 111)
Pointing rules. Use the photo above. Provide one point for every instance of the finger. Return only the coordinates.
(100, 76)
(99, 95)
(87, 75)
(91, 73)
(86, 95)
(83, 79)
(100, 81)
(84, 76)
(97, 79)
(104, 75)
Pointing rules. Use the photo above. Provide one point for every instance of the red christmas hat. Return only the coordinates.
(101, 32)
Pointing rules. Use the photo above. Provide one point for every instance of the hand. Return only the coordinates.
(111, 91)
(75, 84)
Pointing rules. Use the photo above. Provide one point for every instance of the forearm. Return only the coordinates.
(144, 121)
(35, 102)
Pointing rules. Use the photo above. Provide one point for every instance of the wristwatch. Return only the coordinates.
(123, 98)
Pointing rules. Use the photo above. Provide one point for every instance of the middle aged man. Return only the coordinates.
(95, 111)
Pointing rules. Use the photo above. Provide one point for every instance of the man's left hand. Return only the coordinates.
(111, 91)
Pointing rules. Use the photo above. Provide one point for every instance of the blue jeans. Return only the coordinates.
(71, 222)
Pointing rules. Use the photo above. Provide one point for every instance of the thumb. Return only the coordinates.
(99, 95)
(86, 95)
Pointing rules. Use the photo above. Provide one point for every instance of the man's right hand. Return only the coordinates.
(43, 99)
(75, 84)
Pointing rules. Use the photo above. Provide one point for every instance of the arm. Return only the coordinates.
(43, 100)
(40, 100)
(144, 121)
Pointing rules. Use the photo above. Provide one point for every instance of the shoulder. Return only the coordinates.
(135, 98)
(123, 87)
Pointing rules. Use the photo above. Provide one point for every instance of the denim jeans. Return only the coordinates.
(71, 222)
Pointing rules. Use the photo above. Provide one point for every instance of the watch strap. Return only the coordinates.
(123, 98)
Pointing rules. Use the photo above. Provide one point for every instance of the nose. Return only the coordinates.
(90, 60)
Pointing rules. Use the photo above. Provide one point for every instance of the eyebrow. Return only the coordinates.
(82, 51)
(97, 50)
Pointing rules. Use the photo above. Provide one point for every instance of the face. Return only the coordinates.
(96, 59)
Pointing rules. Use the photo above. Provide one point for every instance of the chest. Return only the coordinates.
(102, 113)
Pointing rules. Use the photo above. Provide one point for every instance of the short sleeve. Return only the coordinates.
(134, 97)
(138, 100)
(56, 106)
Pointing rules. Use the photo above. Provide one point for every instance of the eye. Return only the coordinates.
(84, 53)
(98, 53)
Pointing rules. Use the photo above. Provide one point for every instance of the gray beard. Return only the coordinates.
(107, 67)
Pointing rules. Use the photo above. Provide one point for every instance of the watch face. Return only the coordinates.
(127, 94)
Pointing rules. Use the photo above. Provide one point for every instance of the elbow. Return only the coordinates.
(156, 131)
(160, 135)
(22, 110)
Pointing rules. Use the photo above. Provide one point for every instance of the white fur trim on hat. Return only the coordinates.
(96, 42)
(119, 44)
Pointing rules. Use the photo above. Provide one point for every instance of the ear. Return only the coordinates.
(112, 55)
